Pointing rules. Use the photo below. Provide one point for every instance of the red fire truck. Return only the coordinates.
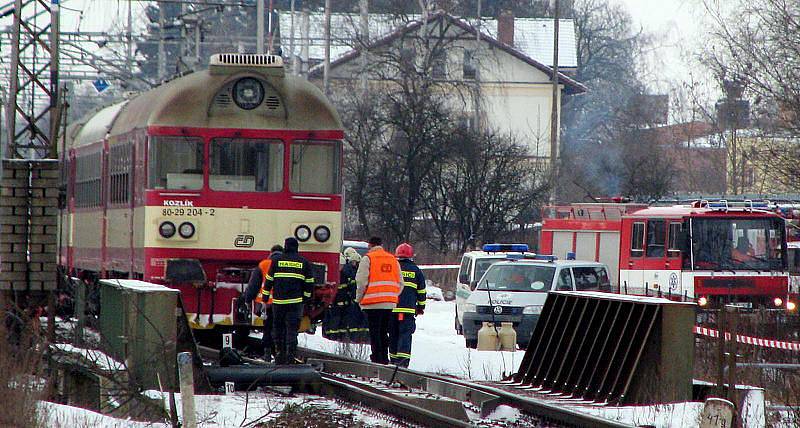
(710, 252)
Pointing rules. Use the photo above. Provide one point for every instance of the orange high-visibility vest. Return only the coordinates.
(264, 267)
(384, 279)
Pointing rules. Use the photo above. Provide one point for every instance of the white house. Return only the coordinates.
(515, 88)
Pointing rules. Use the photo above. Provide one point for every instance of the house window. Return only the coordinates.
(439, 64)
(407, 58)
(637, 240)
(656, 234)
(469, 69)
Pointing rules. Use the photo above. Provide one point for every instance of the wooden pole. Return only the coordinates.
(721, 353)
(326, 66)
(732, 315)
(187, 389)
(554, 110)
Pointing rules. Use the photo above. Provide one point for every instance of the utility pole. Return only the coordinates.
(130, 36)
(293, 57)
(162, 54)
(326, 67)
(260, 26)
(554, 110)
(364, 9)
(305, 27)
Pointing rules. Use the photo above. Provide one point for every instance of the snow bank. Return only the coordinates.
(103, 361)
(59, 415)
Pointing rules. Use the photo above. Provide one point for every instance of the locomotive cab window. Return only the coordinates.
(175, 163)
(246, 165)
(315, 166)
(637, 240)
(656, 235)
(674, 249)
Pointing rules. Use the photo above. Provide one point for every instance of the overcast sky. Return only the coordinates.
(676, 24)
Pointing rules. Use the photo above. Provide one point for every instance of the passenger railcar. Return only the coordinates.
(190, 183)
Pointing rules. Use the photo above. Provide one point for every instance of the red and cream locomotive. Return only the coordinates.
(190, 183)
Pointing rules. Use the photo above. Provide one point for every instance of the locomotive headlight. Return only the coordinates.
(322, 233)
(302, 233)
(248, 93)
(791, 306)
(186, 230)
(166, 229)
(702, 301)
(778, 302)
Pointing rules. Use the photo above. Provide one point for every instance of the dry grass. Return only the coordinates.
(22, 380)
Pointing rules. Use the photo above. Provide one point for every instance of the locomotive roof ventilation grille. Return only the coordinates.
(249, 60)
(223, 100)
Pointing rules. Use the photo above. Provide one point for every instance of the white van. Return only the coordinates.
(473, 265)
(515, 290)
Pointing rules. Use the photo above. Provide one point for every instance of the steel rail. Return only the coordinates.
(373, 397)
(359, 393)
(531, 406)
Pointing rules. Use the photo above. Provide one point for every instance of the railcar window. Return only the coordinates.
(119, 166)
(637, 240)
(175, 163)
(656, 235)
(246, 165)
(315, 166)
(87, 180)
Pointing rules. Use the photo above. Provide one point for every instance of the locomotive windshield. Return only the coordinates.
(246, 165)
(740, 244)
(315, 166)
(175, 163)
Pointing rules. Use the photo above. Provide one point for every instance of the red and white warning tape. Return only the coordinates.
(757, 341)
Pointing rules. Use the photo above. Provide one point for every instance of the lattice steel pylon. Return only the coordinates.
(32, 108)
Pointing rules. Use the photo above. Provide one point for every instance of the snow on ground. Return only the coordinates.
(60, 415)
(436, 348)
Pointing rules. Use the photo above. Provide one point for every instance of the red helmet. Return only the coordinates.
(404, 251)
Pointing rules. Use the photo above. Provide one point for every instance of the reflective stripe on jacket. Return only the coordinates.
(289, 279)
(385, 283)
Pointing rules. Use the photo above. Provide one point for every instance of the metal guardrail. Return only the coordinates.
(608, 348)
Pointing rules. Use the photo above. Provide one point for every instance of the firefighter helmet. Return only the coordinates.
(404, 251)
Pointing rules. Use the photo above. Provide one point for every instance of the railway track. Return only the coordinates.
(408, 397)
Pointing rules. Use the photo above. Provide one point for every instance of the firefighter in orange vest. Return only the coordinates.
(379, 283)
(255, 292)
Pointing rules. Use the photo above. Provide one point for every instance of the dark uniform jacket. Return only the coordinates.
(347, 283)
(414, 294)
(289, 280)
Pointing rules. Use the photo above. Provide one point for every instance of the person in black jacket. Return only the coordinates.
(290, 283)
(410, 304)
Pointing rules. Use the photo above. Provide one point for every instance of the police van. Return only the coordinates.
(473, 265)
(515, 289)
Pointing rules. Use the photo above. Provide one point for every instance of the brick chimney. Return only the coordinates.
(505, 27)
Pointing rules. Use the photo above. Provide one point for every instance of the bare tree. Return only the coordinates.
(755, 43)
(487, 184)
